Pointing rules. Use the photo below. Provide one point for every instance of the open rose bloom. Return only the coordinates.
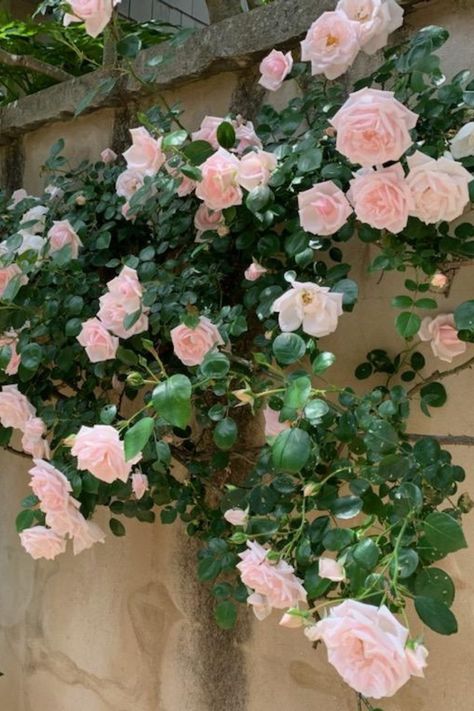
(95, 14)
(274, 68)
(382, 198)
(313, 308)
(192, 344)
(323, 209)
(100, 451)
(442, 335)
(376, 19)
(331, 45)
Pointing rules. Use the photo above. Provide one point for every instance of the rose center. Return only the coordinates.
(332, 40)
(307, 298)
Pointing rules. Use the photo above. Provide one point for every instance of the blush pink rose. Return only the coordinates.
(331, 45)
(323, 209)
(273, 426)
(145, 154)
(275, 582)
(13, 271)
(368, 647)
(245, 135)
(315, 308)
(439, 281)
(439, 188)
(97, 341)
(108, 156)
(192, 344)
(442, 334)
(219, 187)
(62, 234)
(113, 312)
(10, 339)
(254, 271)
(17, 196)
(186, 185)
(206, 220)
(50, 486)
(382, 198)
(331, 569)
(127, 285)
(65, 520)
(236, 517)
(462, 145)
(15, 408)
(42, 542)
(256, 168)
(274, 69)
(86, 535)
(377, 19)
(208, 130)
(100, 451)
(140, 484)
(373, 127)
(33, 440)
(129, 182)
(95, 14)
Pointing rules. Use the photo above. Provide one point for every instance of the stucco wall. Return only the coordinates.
(126, 626)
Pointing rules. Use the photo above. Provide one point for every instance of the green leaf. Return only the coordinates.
(137, 437)
(315, 410)
(172, 400)
(381, 437)
(402, 302)
(314, 585)
(297, 392)
(215, 365)
(349, 289)
(408, 324)
(225, 613)
(338, 538)
(434, 394)
(291, 450)
(24, 520)
(407, 562)
(108, 414)
(258, 198)
(208, 569)
(225, 433)
(129, 46)
(198, 151)
(443, 532)
(323, 361)
(174, 139)
(31, 356)
(367, 553)
(426, 304)
(226, 135)
(117, 527)
(435, 583)
(464, 316)
(436, 615)
(310, 160)
(346, 507)
(288, 348)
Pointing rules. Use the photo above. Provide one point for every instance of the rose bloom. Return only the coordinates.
(442, 334)
(33, 441)
(17, 196)
(323, 209)
(114, 308)
(129, 182)
(9, 273)
(41, 542)
(100, 451)
(139, 484)
(65, 520)
(36, 215)
(10, 339)
(331, 569)
(186, 185)
(86, 535)
(54, 192)
(290, 621)
(315, 308)
(15, 408)
(376, 19)
(50, 486)
(219, 186)
(382, 198)
(462, 145)
(439, 281)
(274, 68)
(30, 241)
(373, 127)
(256, 168)
(236, 517)
(145, 154)
(331, 45)
(208, 130)
(192, 344)
(97, 341)
(273, 426)
(254, 271)
(108, 156)
(439, 188)
(206, 220)
(367, 646)
(126, 284)
(62, 234)
(96, 14)
(275, 582)
(245, 135)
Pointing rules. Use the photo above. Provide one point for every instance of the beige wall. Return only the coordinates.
(125, 626)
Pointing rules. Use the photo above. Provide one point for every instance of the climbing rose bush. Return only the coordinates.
(162, 353)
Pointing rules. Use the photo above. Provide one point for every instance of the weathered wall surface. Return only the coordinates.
(126, 625)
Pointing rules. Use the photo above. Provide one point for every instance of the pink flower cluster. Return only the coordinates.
(144, 158)
(96, 14)
(63, 517)
(17, 411)
(244, 133)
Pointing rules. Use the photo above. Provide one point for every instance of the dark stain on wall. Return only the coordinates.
(13, 166)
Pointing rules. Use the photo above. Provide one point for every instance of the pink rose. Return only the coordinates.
(13, 271)
(236, 517)
(331, 45)
(275, 582)
(274, 68)
(376, 19)
(273, 426)
(145, 153)
(373, 127)
(97, 341)
(62, 234)
(15, 408)
(100, 451)
(331, 569)
(256, 168)
(382, 198)
(315, 308)
(33, 441)
(254, 271)
(439, 188)
(108, 156)
(95, 14)
(126, 285)
(323, 209)
(260, 606)
(41, 542)
(208, 130)
(65, 520)
(367, 646)
(192, 344)
(416, 655)
(441, 332)
(129, 182)
(462, 145)
(86, 535)
(54, 192)
(36, 215)
(10, 339)
(140, 484)
(17, 196)
(206, 220)
(245, 135)
(50, 486)
(186, 185)
(290, 621)
(219, 187)
(125, 210)
(439, 281)
(113, 312)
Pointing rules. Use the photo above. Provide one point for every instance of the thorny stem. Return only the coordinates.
(441, 375)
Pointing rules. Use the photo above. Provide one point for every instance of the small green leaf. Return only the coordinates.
(346, 507)
(225, 433)
(323, 361)
(198, 151)
(117, 527)
(435, 583)
(434, 394)
(24, 520)
(367, 553)
(291, 450)
(408, 324)
(172, 400)
(208, 569)
(137, 437)
(226, 135)
(215, 365)
(225, 614)
(436, 615)
(129, 46)
(288, 348)
(174, 139)
(464, 316)
(443, 532)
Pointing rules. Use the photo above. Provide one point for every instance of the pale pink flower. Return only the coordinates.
(129, 182)
(439, 281)
(145, 153)
(442, 334)
(17, 196)
(125, 209)
(13, 271)
(323, 209)
(126, 285)
(236, 517)
(15, 408)
(192, 344)
(186, 185)
(290, 621)
(97, 341)
(206, 220)
(315, 308)
(41, 542)
(95, 14)
(462, 145)
(376, 19)
(275, 582)
(274, 69)
(140, 484)
(62, 234)
(33, 440)
(254, 271)
(219, 187)
(50, 486)
(382, 198)
(124, 298)
(208, 130)
(331, 569)
(273, 426)
(108, 156)
(54, 192)
(37, 216)
(331, 45)
(416, 657)
(260, 606)
(245, 135)
(10, 339)
(439, 187)
(256, 168)
(86, 535)
(65, 520)
(373, 127)
(100, 451)
(367, 646)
